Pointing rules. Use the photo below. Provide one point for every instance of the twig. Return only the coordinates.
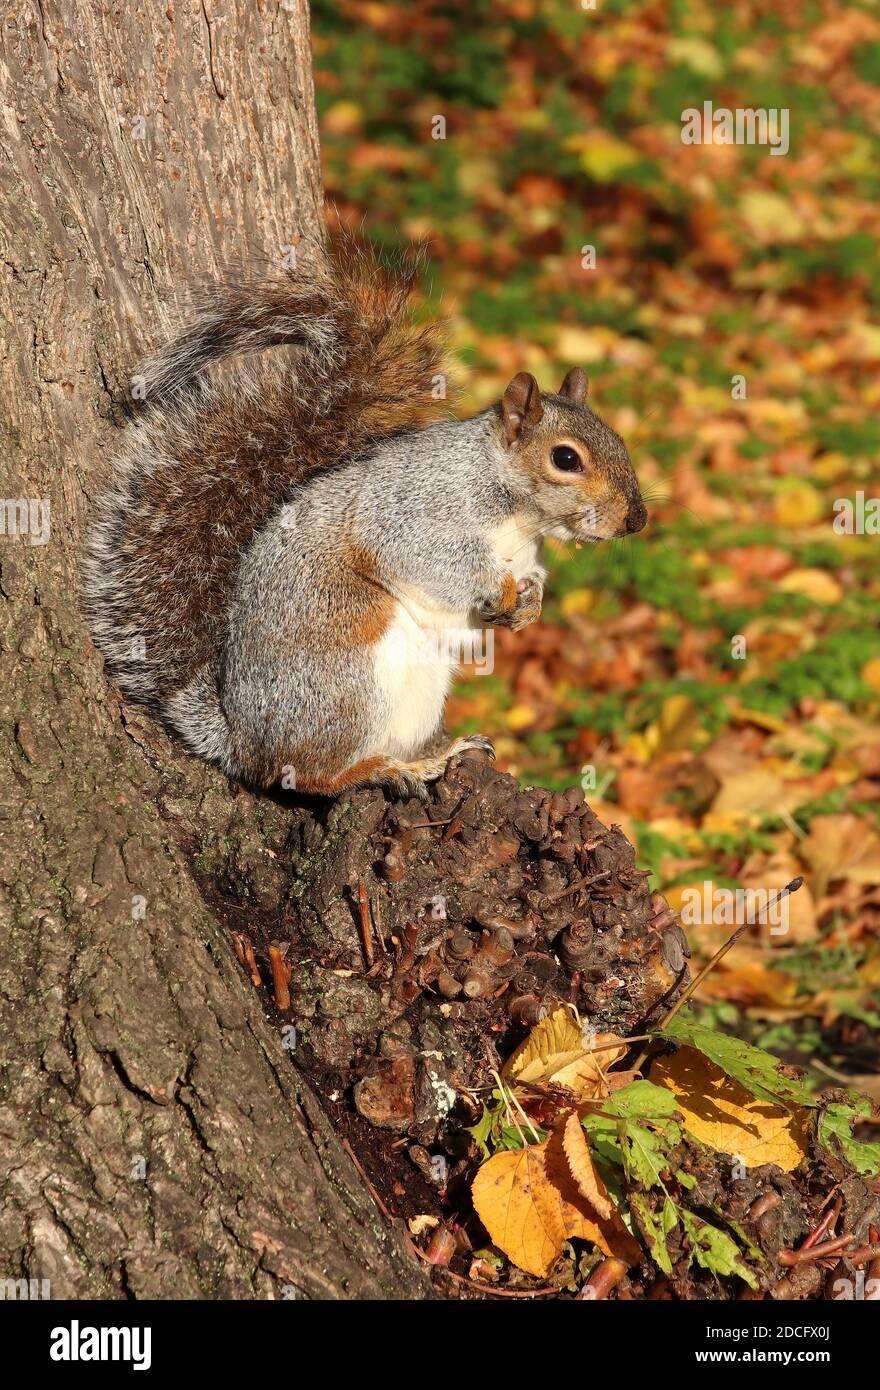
(825, 1225)
(365, 924)
(256, 977)
(864, 1252)
(787, 1258)
(280, 976)
(369, 1186)
(583, 882)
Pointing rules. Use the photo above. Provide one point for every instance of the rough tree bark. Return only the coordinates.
(156, 1138)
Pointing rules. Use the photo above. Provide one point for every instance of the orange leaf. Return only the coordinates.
(530, 1205)
(583, 1169)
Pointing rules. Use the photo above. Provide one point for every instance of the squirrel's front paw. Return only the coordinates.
(517, 605)
(498, 608)
(529, 598)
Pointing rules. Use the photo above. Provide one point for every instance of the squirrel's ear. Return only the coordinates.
(574, 387)
(521, 407)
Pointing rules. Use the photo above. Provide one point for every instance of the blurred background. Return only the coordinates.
(714, 683)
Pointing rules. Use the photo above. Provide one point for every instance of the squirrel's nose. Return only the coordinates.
(637, 515)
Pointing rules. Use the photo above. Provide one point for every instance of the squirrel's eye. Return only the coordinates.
(566, 459)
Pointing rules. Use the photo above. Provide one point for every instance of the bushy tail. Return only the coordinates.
(208, 458)
(347, 309)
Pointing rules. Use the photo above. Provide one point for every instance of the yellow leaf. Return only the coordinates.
(759, 717)
(579, 601)
(575, 344)
(603, 156)
(867, 339)
(721, 823)
(520, 717)
(510, 1196)
(755, 792)
(818, 585)
(722, 1114)
(552, 1043)
(871, 673)
(343, 118)
(674, 729)
(697, 54)
(555, 1053)
(530, 1205)
(583, 1169)
(771, 217)
(475, 176)
(829, 467)
(799, 505)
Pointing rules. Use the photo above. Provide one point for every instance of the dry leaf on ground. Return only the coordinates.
(841, 846)
(530, 1205)
(721, 1113)
(555, 1052)
(583, 1169)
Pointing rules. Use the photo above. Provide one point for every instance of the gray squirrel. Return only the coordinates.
(280, 536)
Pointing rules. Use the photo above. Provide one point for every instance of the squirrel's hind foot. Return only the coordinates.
(414, 778)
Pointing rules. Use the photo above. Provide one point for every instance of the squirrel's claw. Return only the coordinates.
(479, 741)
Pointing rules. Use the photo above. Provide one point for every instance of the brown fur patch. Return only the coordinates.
(368, 608)
(361, 772)
(508, 593)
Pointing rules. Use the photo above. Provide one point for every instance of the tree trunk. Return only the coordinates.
(156, 1140)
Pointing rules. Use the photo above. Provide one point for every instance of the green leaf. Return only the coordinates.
(753, 1068)
(642, 1099)
(715, 1250)
(837, 1121)
(641, 1132)
(481, 1130)
(657, 1227)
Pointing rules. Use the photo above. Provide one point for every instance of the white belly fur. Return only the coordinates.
(413, 668)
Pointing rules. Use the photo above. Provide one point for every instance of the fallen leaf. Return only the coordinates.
(583, 1169)
(530, 1205)
(841, 846)
(418, 1225)
(556, 1053)
(720, 1112)
(799, 505)
(818, 585)
(787, 921)
(520, 717)
(675, 728)
(755, 792)
(871, 673)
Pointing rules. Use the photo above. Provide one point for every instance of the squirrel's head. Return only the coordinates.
(581, 479)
